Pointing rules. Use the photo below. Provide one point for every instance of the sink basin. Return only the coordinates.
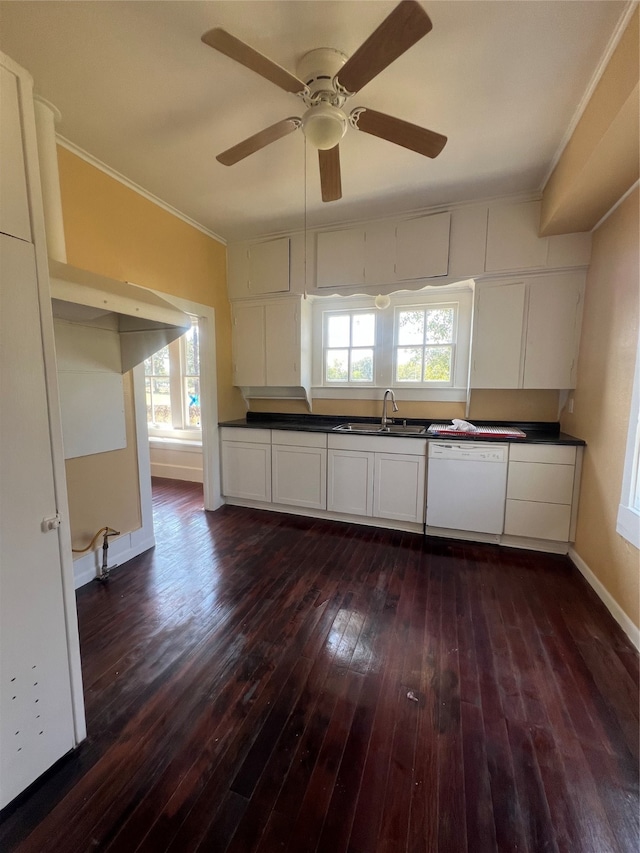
(404, 429)
(391, 429)
(371, 428)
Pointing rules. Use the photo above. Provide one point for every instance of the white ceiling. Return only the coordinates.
(140, 92)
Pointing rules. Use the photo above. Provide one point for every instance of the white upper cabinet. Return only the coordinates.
(269, 265)
(341, 258)
(256, 269)
(14, 201)
(498, 335)
(422, 247)
(553, 331)
(512, 237)
(526, 334)
(268, 339)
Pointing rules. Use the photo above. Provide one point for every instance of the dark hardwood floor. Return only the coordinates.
(262, 682)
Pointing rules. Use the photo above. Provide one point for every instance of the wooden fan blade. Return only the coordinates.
(249, 57)
(330, 182)
(406, 25)
(426, 142)
(258, 140)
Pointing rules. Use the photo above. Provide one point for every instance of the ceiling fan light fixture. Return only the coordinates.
(324, 126)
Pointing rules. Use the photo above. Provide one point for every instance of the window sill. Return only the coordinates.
(444, 395)
(191, 445)
(628, 525)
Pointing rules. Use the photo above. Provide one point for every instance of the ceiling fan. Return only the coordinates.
(326, 79)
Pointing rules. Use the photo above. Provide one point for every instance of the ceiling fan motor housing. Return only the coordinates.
(317, 69)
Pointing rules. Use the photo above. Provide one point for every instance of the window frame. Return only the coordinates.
(177, 393)
(424, 383)
(460, 294)
(351, 313)
(628, 519)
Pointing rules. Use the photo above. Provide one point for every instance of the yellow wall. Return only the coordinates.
(485, 405)
(602, 401)
(601, 160)
(113, 230)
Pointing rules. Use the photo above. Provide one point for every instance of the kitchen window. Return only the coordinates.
(419, 345)
(172, 386)
(424, 351)
(349, 347)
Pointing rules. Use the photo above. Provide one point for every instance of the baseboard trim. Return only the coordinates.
(631, 630)
(176, 472)
(87, 568)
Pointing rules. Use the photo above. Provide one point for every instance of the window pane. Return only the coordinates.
(410, 327)
(439, 326)
(160, 389)
(193, 401)
(437, 364)
(337, 365)
(361, 365)
(363, 330)
(191, 350)
(160, 362)
(409, 364)
(338, 330)
(147, 394)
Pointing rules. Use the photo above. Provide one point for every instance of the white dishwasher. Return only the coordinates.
(466, 486)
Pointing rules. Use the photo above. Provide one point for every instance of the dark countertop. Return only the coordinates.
(537, 432)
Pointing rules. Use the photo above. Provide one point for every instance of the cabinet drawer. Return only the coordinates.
(290, 438)
(248, 436)
(538, 520)
(560, 454)
(532, 481)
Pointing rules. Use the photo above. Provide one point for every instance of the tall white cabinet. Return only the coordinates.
(41, 707)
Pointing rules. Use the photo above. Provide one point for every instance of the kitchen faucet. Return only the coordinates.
(385, 418)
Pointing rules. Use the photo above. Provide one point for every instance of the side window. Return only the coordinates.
(172, 385)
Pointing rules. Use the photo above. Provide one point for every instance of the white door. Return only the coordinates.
(398, 490)
(497, 336)
(248, 345)
(350, 481)
(36, 718)
(282, 343)
(246, 470)
(269, 266)
(552, 331)
(299, 476)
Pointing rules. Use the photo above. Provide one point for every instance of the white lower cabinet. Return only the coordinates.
(246, 463)
(299, 468)
(540, 491)
(383, 478)
(350, 482)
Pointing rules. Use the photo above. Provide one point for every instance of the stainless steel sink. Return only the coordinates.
(377, 429)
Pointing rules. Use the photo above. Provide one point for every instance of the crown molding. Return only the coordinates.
(122, 179)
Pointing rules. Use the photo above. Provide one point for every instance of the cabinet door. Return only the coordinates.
(512, 237)
(498, 336)
(36, 719)
(246, 470)
(350, 481)
(299, 476)
(269, 266)
(282, 343)
(552, 331)
(14, 205)
(422, 247)
(249, 345)
(398, 490)
(341, 258)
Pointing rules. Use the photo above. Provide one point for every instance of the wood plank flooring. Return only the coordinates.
(262, 682)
